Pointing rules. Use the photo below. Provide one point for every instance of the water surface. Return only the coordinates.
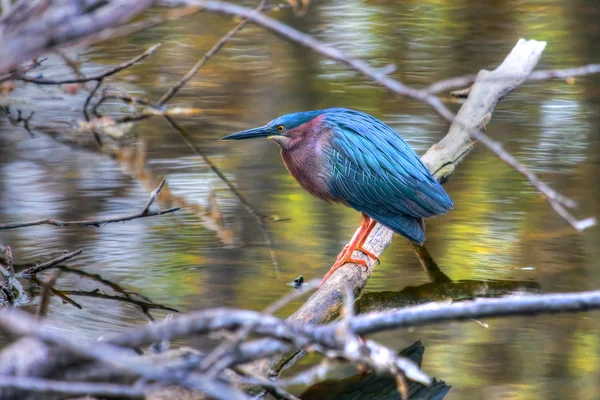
(213, 253)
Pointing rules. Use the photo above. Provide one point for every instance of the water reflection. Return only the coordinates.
(214, 253)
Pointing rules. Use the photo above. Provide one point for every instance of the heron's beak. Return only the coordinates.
(261, 132)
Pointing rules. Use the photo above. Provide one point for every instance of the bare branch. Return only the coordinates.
(73, 388)
(539, 75)
(49, 264)
(260, 217)
(218, 46)
(144, 305)
(25, 38)
(45, 294)
(96, 77)
(555, 199)
(481, 308)
(103, 221)
(217, 360)
(19, 323)
(308, 41)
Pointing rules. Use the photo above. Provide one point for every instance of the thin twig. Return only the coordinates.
(553, 197)
(88, 100)
(253, 210)
(99, 295)
(103, 221)
(333, 53)
(153, 197)
(48, 264)
(260, 217)
(95, 77)
(218, 46)
(539, 75)
(96, 277)
(45, 294)
(63, 296)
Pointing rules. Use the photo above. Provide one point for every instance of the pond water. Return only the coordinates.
(213, 253)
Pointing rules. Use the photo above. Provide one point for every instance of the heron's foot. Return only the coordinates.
(345, 257)
(361, 249)
(368, 253)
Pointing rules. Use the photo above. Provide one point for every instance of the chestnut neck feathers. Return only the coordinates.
(305, 156)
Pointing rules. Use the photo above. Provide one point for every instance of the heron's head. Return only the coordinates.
(287, 131)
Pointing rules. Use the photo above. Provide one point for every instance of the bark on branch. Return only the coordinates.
(32, 28)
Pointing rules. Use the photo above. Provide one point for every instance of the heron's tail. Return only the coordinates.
(410, 227)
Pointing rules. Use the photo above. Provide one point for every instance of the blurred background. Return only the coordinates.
(213, 252)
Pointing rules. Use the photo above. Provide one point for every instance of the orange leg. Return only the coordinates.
(366, 226)
(362, 241)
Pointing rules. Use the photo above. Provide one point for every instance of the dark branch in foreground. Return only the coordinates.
(99, 222)
(482, 308)
(206, 321)
(73, 388)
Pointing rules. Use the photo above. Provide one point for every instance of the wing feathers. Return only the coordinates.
(376, 172)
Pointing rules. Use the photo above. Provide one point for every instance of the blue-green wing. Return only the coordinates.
(376, 172)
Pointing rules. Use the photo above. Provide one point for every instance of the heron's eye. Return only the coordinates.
(281, 128)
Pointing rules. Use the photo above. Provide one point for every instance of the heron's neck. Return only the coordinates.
(307, 160)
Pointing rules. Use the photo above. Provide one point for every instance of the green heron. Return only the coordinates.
(350, 157)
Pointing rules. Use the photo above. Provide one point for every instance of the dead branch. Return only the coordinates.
(45, 294)
(481, 308)
(539, 75)
(370, 354)
(73, 388)
(214, 50)
(36, 281)
(49, 264)
(96, 77)
(22, 324)
(31, 29)
(103, 221)
(206, 321)
(260, 217)
(220, 358)
(144, 305)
